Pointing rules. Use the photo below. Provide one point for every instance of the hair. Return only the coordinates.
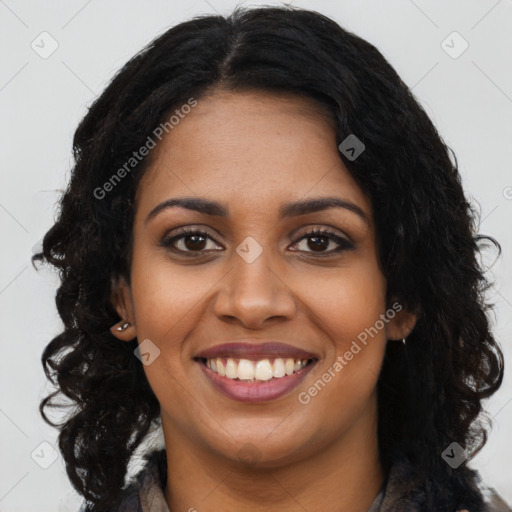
(429, 390)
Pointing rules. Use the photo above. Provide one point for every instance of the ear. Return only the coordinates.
(401, 323)
(121, 299)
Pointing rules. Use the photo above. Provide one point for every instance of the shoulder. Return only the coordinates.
(145, 492)
(493, 501)
(128, 501)
(407, 490)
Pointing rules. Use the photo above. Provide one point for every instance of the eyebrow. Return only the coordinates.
(213, 208)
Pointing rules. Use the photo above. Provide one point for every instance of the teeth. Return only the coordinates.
(245, 370)
(262, 370)
(231, 368)
(278, 368)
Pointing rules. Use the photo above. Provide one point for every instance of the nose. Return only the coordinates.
(254, 293)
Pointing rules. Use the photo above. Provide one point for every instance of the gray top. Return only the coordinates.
(146, 493)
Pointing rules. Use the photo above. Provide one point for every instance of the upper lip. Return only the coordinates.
(251, 350)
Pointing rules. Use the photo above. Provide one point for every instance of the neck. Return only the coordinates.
(346, 473)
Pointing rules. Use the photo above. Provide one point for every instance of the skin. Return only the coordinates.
(253, 152)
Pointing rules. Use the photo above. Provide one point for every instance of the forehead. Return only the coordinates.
(254, 148)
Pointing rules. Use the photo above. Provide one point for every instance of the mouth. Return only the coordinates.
(255, 381)
(261, 370)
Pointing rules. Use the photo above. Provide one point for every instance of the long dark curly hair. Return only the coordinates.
(429, 391)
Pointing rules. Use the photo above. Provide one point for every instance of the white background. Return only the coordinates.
(42, 100)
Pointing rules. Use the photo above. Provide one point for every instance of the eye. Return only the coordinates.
(196, 241)
(191, 241)
(320, 240)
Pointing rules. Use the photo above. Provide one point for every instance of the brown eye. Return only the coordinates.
(190, 241)
(194, 242)
(320, 240)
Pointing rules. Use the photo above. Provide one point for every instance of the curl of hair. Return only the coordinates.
(429, 391)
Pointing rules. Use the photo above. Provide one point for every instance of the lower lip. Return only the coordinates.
(254, 392)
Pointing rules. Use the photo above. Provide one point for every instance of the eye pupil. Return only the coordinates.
(319, 245)
(194, 246)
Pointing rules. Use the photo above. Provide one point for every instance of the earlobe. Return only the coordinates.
(401, 325)
(125, 329)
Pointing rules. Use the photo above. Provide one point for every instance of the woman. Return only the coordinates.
(265, 249)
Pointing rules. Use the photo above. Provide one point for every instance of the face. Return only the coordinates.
(264, 264)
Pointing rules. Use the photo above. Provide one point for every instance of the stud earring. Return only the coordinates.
(123, 327)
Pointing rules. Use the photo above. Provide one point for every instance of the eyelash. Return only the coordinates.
(186, 232)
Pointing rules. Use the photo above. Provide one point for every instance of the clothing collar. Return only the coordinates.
(399, 493)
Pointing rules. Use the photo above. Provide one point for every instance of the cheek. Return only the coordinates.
(163, 302)
(166, 304)
(166, 299)
(348, 304)
(349, 312)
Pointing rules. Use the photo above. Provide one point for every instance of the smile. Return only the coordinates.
(257, 371)
(253, 381)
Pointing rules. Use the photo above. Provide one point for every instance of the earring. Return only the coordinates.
(123, 327)
(403, 341)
